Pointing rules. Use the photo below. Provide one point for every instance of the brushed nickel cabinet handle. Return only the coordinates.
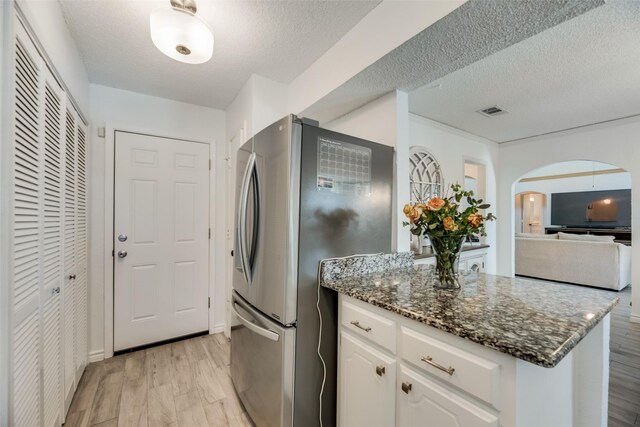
(358, 325)
(406, 387)
(380, 370)
(430, 361)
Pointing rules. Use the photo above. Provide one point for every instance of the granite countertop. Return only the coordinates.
(465, 248)
(533, 320)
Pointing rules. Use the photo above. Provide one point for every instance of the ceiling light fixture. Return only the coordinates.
(180, 34)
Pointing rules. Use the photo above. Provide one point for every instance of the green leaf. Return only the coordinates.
(485, 206)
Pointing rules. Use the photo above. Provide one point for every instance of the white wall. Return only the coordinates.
(126, 110)
(452, 147)
(375, 121)
(269, 103)
(615, 181)
(616, 143)
(47, 21)
(259, 103)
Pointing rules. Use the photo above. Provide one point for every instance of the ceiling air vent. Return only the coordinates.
(492, 111)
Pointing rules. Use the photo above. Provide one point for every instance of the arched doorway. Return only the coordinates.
(571, 182)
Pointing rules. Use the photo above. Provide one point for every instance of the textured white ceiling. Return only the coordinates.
(583, 71)
(473, 31)
(276, 39)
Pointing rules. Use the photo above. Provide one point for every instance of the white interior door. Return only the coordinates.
(161, 232)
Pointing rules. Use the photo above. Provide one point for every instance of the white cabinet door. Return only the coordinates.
(422, 402)
(161, 239)
(367, 385)
(475, 264)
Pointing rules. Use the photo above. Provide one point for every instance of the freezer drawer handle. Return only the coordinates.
(358, 325)
(430, 361)
(255, 328)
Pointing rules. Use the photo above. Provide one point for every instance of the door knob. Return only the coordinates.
(122, 237)
(72, 277)
(122, 254)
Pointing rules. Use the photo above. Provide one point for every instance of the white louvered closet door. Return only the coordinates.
(48, 317)
(80, 285)
(51, 266)
(69, 262)
(27, 234)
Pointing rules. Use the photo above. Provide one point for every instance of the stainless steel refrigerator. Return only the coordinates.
(303, 194)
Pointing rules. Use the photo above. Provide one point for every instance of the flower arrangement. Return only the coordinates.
(442, 220)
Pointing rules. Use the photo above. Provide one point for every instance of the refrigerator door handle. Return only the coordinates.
(256, 219)
(267, 333)
(242, 218)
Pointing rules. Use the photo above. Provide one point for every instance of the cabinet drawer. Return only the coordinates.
(471, 373)
(369, 325)
(421, 399)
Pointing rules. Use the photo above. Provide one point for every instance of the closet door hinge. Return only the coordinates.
(209, 164)
(209, 234)
(209, 302)
(113, 252)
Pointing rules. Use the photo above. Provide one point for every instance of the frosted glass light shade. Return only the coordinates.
(181, 35)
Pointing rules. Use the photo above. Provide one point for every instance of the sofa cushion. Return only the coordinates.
(536, 236)
(585, 237)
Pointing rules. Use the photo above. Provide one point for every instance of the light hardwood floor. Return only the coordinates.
(182, 384)
(187, 383)
(624, 368)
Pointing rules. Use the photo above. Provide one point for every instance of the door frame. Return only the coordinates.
(109, 206)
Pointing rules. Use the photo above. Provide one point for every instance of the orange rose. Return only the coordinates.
(449, 224)
(435, 204)
(475, 220)
(415, 214)
(407, 209)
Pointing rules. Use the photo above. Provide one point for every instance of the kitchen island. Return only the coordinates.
(498, 352)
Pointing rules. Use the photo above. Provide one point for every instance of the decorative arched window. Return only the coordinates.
(425, 175)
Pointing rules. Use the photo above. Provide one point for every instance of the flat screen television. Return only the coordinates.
(592, 209)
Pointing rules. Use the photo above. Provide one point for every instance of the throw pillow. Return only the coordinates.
(585, 237)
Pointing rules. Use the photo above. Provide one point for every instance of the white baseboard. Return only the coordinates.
(219, 328)
(96, 356)
(634, 318)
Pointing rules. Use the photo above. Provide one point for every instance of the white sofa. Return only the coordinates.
(582, 259)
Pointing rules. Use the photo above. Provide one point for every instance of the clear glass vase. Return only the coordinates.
(447, 253)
